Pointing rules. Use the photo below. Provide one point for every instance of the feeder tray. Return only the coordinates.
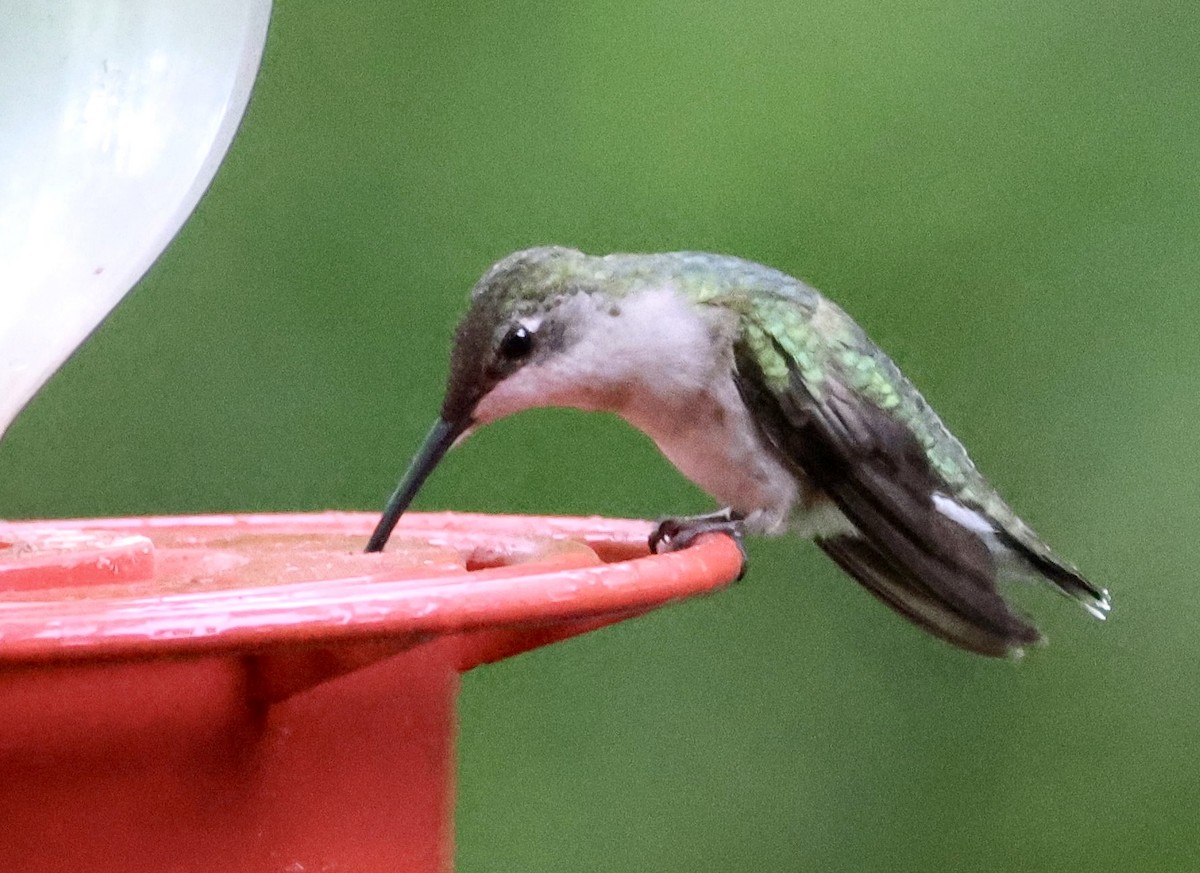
(252, 693)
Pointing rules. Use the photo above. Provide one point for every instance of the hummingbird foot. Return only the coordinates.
(673, 534)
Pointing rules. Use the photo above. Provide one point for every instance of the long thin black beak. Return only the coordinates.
(441, 436)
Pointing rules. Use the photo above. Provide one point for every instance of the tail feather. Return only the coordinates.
(1062, 575)
(1020, 550)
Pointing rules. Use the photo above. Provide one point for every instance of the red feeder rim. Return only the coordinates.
(104, 588)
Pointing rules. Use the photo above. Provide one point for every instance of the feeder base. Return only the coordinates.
(350, 775)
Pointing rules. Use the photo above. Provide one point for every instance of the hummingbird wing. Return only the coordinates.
(926, 566)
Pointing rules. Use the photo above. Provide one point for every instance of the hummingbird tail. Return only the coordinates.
(1062, 576)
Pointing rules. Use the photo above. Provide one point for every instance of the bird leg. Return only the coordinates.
(673, 534)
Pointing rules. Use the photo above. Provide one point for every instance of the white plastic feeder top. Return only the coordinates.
(114, 115)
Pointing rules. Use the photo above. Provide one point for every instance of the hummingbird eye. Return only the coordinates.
(516, 344)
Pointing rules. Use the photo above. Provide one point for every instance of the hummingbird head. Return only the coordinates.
(529, 339)
(554, 327)
(524, 313)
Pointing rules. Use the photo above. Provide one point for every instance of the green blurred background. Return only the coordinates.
(1006, 195)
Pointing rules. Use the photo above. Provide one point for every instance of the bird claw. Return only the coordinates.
(673, 534)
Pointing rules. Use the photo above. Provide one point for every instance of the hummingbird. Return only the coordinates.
(769, 397)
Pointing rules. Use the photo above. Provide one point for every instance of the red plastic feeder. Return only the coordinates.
(252, 693)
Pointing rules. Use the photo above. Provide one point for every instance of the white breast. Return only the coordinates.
(669, 364)
(710, 438)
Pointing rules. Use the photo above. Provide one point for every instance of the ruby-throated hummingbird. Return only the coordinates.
(769, 397)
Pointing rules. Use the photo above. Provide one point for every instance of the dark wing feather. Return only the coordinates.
(908, 596)
(932, 570)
